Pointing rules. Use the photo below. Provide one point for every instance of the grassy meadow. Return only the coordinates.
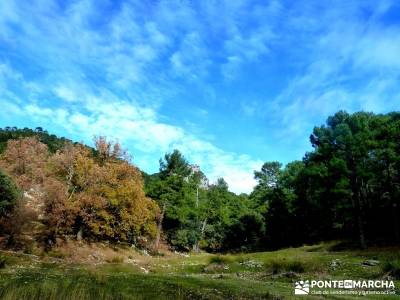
(263, 275)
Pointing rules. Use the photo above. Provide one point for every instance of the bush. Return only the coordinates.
(9, 194)
(56, 254)
(295, 266)
(116, 260)
(392, 267)
(219, 259)
(184, 239)
(3, 262)
(284, 266)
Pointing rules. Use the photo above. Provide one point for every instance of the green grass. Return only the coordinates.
(393, 268)
(77, 285)
(220, 259)
(263, 275)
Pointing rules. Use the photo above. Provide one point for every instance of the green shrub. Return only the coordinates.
(183, 238)
(3, 262)
(392, 267)
(276, 267)
(295, 266)
(219, 259)
(56, 254)
(9, 194)
(287, 266)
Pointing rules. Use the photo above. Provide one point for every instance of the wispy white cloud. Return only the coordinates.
(99, 67)
(191, 60)
(147, 134)
(350, 64)
(137, 127)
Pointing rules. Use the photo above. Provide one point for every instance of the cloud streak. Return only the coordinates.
(215, 79)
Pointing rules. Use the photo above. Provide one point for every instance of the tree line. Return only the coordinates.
(346, 188)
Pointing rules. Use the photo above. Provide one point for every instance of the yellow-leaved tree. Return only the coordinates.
(91, 193)
(105, 196)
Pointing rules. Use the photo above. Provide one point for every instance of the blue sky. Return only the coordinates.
(230, 83)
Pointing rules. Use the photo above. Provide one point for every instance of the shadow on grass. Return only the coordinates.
(47, 285)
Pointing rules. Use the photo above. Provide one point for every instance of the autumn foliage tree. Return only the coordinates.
(25, 159)
(91, 193)
(101, 195)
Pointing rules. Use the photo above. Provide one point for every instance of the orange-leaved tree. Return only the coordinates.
(104, 194)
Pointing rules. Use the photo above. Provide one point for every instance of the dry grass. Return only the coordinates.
(126, 273)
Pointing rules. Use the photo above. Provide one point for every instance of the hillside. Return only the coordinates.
(53, 142)
(263, 275)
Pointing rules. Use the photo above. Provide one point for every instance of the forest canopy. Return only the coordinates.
(346, 188)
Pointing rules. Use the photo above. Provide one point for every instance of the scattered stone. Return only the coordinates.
(214, 267)
(251, 264)
(370, 262)
(181, 254)
(388, 277)
(335, 264)
(131, 261)
(289, 274)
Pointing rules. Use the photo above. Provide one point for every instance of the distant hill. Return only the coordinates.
(53, 142)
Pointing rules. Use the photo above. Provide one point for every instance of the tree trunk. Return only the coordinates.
(79, 234)
(360, 220)
(395, 212)
(203, 227)
(363, 244)
(159, 227)
(357, 205)
(196, 247)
